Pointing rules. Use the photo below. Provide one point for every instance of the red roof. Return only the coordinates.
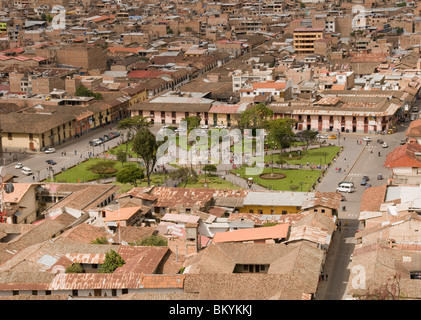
(404, 156)
(146, 74)
(224, 109)
(414, 129)
(269, 85)
(122, 49)
(253, 234)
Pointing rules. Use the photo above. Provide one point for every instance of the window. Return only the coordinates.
(75, 293)
(251, 211)
(9, 136)
(284, 212)
(31, 137)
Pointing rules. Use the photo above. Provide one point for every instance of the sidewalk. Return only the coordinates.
(329, 264)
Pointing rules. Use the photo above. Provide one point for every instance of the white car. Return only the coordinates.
(19, 166)
(322, 136)
(180, 130)
(50, 150)
(384, 145)
(367, 139)
(26, 171)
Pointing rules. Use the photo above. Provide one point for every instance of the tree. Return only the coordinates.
(255, 117)
(209, 168)
(112, 261)
(133, 125)
(307, 136)
(192, 122)
(103, 168)
(152, 241)
(145, 145)
(82, 91)
(122, 156)
(280, 132)
(130, 175)
(185, 175)
(101, 240)
(75, 268)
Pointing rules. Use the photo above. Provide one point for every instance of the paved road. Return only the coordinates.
(360, 161)
(66, 155)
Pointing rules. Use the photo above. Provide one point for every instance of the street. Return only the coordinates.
(356, 161)
(66, 155)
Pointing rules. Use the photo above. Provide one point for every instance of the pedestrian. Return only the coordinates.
(323, 277)
(345, 159)
(326, 277)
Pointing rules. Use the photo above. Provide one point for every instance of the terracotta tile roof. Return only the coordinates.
(372, 198)
(85, 281)
(279, 231)
(123, 49)
(269, 85)
(224, 109)
(414, 129)
(124, 214)
(18, 193)
(140, 259)
(404, 156)
(163, 281)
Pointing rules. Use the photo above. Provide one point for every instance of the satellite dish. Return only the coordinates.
(9, 187)
(2, 171)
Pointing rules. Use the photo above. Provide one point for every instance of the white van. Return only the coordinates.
(27, 171)
(346, 187)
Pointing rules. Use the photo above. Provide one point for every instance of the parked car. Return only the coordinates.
(97, 142)
(332, 137)
(19, 166)
(114, 134)
(51, 162)
(50, 150)
(26, 171)
(106, 137)
(322, 136)
(403, 141)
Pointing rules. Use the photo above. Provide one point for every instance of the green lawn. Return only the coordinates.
(80, 173)
(290, 183)
(313, 156)
(213, 182)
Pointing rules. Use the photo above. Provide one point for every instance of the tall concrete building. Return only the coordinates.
(304, 39)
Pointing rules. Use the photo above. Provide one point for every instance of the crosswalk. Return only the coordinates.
(360, 175)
